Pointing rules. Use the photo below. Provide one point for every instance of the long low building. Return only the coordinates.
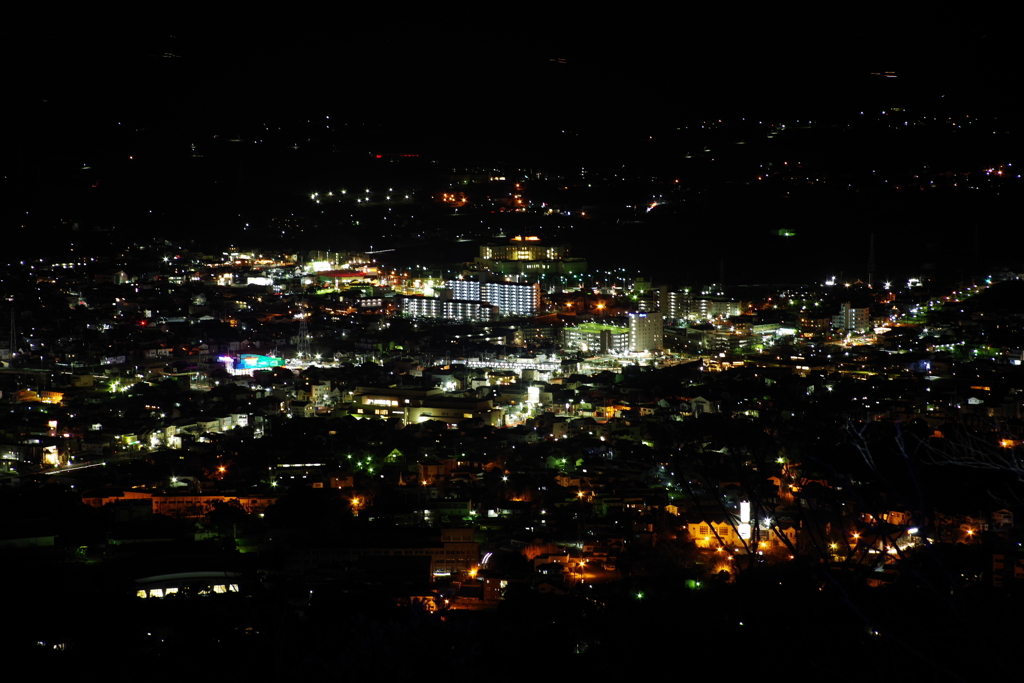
(179, 505)
(421, 405)
(440, 308)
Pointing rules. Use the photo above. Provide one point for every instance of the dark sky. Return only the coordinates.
(440, 63)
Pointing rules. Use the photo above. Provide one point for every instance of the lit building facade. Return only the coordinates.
(524, 249)
(646, 331)
(529, 256)
(855, 320)
(512, 299)
(438, 308)
(683, 305)
(596, 338)
(420, 405)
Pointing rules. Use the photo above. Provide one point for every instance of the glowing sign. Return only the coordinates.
(251, 360)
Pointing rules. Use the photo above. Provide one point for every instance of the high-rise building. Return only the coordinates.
(856, 320)
(513, 299)
(646, 331)
(683, 305)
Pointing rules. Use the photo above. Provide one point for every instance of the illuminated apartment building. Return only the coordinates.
(855, 320)
(442, 308)
(683, 305)
(645, 332)
(512, 299)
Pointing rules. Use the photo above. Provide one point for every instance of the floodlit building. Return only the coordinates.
(596, 338)
(645, 332)
(420, 405)
(512, 299)
(856, 320)
(528, 255)
(683, 305)
(524, 249)
(442, 308)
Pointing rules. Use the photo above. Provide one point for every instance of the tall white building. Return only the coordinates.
(646, 331)
(685, 306)
(856, 320)
(513, 299)
(469, 290)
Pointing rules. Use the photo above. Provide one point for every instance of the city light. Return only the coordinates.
(821, 311)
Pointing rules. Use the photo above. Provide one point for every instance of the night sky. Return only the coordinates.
(434, 66)
(538, 88)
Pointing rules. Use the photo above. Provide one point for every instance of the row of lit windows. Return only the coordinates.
(167, 592)
(380, 402)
